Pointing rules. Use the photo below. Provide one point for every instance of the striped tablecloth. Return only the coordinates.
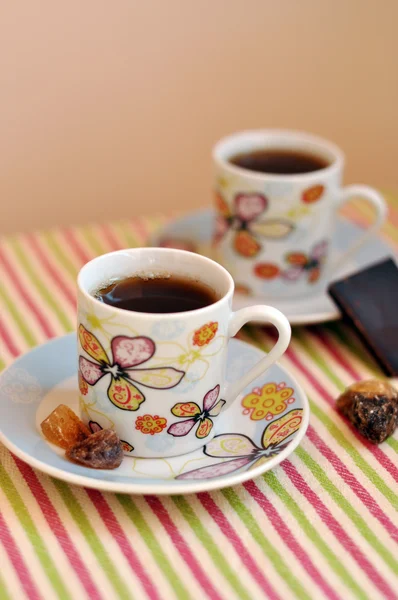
(321, 525)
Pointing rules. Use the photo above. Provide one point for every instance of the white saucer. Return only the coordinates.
(243, 448)
(196, 229)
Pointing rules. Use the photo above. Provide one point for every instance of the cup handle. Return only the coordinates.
(377, 201)
(262, 314)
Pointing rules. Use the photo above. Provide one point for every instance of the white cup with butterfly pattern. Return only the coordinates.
(158, 379)
(274, 232)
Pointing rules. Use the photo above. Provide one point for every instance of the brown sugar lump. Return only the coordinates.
(372, 408)
(64, 428)
(101, 450)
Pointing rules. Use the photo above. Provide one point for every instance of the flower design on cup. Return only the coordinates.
(268, 401)
(83, 387)
(243, 220)
(243, 451)
(242, 288)
(313, 194)
(149, 424)
(197, 416)
(128, 353)
(301, 264)
(266, 270)
(194, 355)
(205, 334)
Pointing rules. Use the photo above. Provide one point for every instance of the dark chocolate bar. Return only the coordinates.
(368, 300)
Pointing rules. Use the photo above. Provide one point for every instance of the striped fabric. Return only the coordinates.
(321, 525)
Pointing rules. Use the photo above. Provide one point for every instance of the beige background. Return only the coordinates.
(110, 109)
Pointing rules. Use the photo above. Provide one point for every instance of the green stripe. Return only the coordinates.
(4, 595)
(208, 543)
(92, 240)
(316, 470)
(125, 234)
(41, 287)
(393, 443)
(335, 432)
(313, 534)
(2, 364)
(135, 515)
(370, 473)
(269, 550)
(17, 316)
(318, 358)
(32, 533)
(92, 539)
(60, 254)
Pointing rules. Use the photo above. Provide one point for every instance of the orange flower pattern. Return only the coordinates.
(243, 289)
(313, 194)
(83, 387)
(266, 270)
(205, 334)
(149, 424)
(268, 401)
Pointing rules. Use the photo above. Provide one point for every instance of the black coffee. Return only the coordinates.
(157, 295)
(279, 162)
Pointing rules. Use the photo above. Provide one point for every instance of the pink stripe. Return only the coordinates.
(334, 526)
(76, 246)
(113, 243)
(18, 562)
(353, 483)
(8, 341)
(377, 453)
(57, 527)
(286, 535)
(333, 350)
(180, 544)
(52, 271)
(232, 535)
(24, 295)
(114, 528)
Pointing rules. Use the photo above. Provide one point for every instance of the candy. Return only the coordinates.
(101, 450)
(63, 428)
(372, 407)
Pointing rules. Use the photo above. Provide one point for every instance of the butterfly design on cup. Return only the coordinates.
(124, 368)
(306, 264)
(245, 221)
(243, 452)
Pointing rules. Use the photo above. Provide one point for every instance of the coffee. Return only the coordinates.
(279, 162)
(157, 294)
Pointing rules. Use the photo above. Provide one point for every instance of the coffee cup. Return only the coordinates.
(159, 379)
(277, 194)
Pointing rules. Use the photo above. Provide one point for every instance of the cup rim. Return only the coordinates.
(156, 316)
(296, 136)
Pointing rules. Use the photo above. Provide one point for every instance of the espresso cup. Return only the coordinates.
(274, 232)
(159, 379)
